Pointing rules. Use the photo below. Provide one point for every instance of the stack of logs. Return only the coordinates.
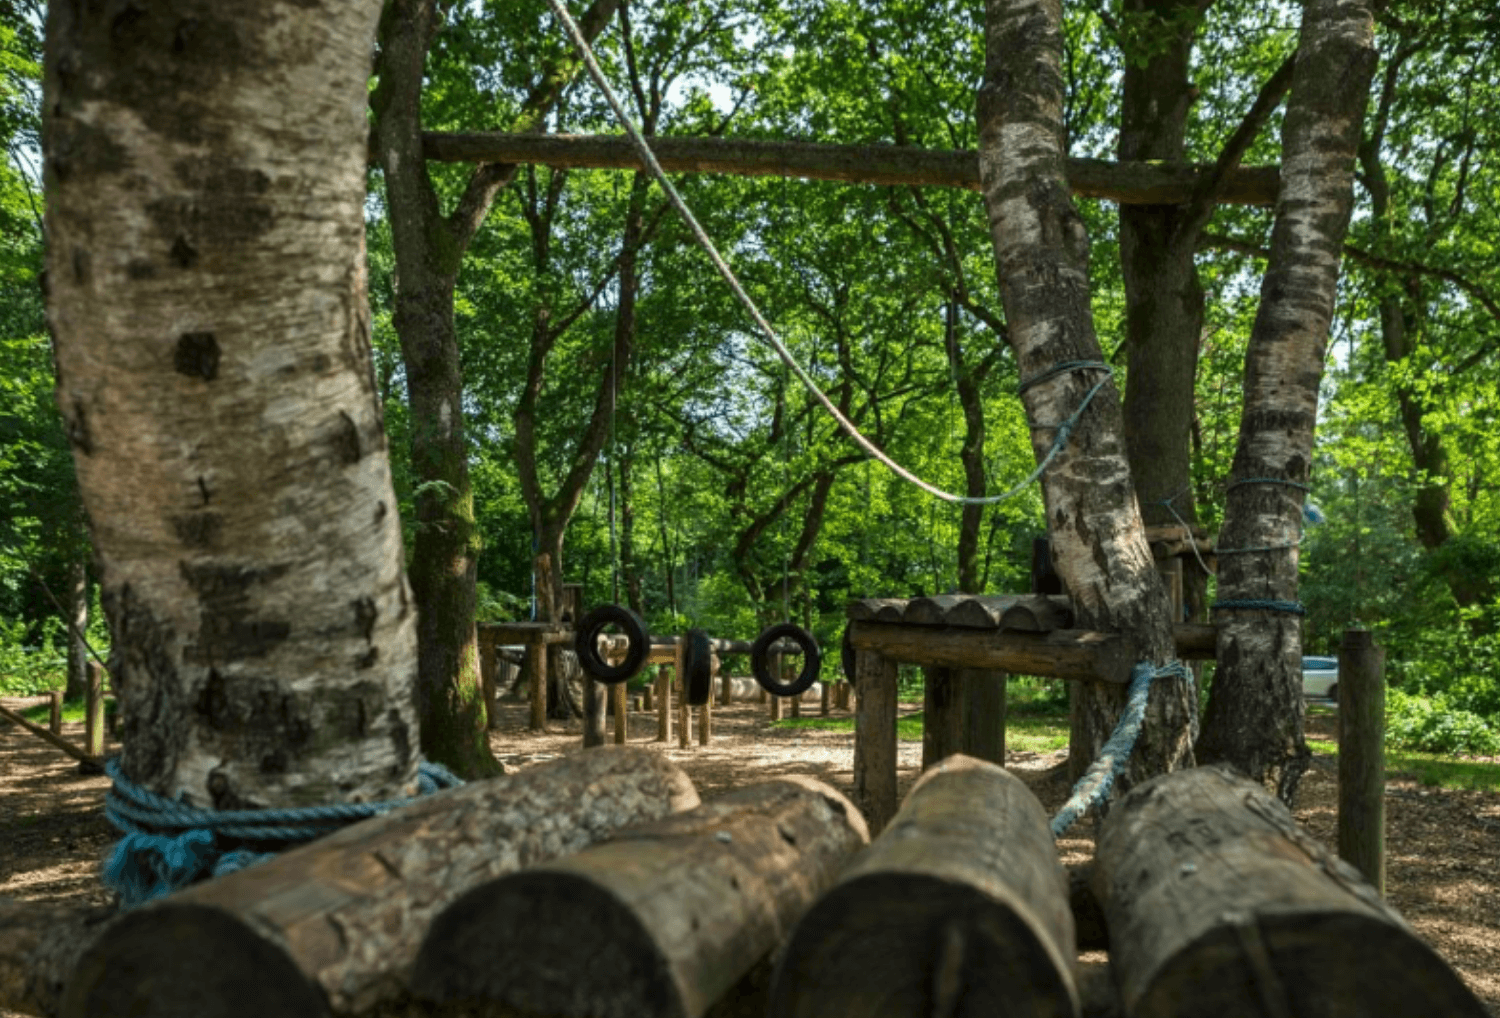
(600, 885)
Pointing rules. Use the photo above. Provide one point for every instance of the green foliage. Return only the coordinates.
(1433, 724)
(30, 666)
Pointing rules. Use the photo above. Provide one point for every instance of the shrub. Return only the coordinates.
(1435, 725)
(27, 668)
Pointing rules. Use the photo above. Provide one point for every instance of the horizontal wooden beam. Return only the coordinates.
(1129, 183)
(93, 763)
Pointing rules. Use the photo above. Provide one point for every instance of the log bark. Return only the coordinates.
(1064, 653)
(984, 715)
(875, 738)
(1220, 906)
(959, 908)
(536, 664)
(334, 926)
(40, 943)
(1361, 699)
(663, 704)
(662, 920)
(1136, 183)
(943, 701)
(1255, 712)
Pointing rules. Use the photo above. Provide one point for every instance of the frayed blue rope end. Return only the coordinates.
(144, 867)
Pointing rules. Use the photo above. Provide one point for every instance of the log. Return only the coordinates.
(679, 684)
(1063, 653)
(40, 943)
(942, 714)
(1038, 613)
(875, 738)
(54, 715)
(931, 611)
(1127, 182)
(93, 712)
(662, 920)
(1361, 695)
(536, 663)
(488, 683)
(622, 723)
(93, 762)
(335, 926)
(646, 700)
(1220, 906)
(1195, 641)
(663, 705)
(984, 715)
(825, 690)
(959, 908)
(887, 609)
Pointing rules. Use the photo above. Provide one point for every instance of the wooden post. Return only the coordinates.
(93, 718)
(334, 927)
(646, 698)
(959, 908)
(536, 663)
(54, 719)
(679, 689)
(984, 714)
(796, 704)
(487, 681)
(1171, 577)
(1219, 904)
(1361, 695)
(841, 695)
(622, 723)
(663, 705)
(663, 919)
(706, 712)
(875, 738)
(726, 682)
(942, 714)
(827, 693)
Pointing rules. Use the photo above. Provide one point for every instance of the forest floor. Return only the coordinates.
(1443, 845)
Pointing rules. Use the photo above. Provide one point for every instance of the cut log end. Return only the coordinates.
(915, 944)
(190, 961)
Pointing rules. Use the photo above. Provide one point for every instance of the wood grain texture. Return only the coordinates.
(875, 738)
(40, 943)
(1220, 906)
(662, 920)
(334, 926)
(959, 909)
(1062, 653)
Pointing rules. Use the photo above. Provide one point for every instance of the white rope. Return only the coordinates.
(734, 284)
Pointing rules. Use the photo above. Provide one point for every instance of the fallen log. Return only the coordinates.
(334, 927)
(1220, 906)
(662, 920)
(959, 908)
(39, 947)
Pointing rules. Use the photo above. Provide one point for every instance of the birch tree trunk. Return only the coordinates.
(78, 624)
(1041, 252)
(205, 176)
(1255, 718)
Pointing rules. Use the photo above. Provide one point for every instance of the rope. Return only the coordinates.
(1255, 604)
(1094, 787)
(1268, 480)
(1187, 530)
(169, 845)
(660, 175)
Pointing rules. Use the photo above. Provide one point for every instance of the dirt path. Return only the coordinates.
(1443, 847)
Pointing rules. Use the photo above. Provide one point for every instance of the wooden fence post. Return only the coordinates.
(55, 721)
(93, 718)
(536, 663)
(663, 705)
(622, 729)
(1361, 689)
(875, 738)
(487, 665)
(942, 713)
(679, 683)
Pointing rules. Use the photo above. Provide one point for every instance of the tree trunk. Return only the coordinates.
(1098, 543)
(1254, 720)
(78, 624)
(206, 178)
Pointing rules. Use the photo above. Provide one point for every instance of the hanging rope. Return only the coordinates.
(169, 845)
(649, 159)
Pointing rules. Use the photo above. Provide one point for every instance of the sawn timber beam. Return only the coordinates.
(1129, 183)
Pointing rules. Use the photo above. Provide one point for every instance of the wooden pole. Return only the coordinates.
(622, 723)
(1219, 904)
(827, 694)
(706, 712)
(942, 714)
(959, 908)
(679, 689)
(1061, 653)
(93, 762)
(646, 704)
(875, 738)
(984, 715)
(487, 678)
(663, 704)
(726, 682)
(1361, 696)
(536, 663)
(663, 920)
(93, 718)
(334, 927)
(54, 719)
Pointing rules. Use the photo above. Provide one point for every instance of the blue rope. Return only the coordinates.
(169, 845)
(1094, 787)
(1255, 604)
(1268, 480)
(1062, 367)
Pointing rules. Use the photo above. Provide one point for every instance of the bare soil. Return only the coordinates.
(1443, 847)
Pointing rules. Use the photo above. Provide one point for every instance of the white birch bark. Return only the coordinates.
(1254, 720)
(205, 176)
(1041, 250)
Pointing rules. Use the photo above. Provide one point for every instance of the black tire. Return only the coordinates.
(585, 643)
(812, 659)
(1333, 693)
(846, 656)
(698, 668)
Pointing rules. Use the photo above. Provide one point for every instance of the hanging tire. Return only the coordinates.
(630, 625)
(698, 668)
(846, 655)
(760, 652)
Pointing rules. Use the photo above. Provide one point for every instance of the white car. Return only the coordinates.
(1320, 677)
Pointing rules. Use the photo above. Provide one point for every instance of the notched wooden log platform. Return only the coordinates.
(662, 920)
(334, 927)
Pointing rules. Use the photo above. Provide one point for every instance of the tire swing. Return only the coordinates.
(697, 668)
(630, 625)
(760, 652)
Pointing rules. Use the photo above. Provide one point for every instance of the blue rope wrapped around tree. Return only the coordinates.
(1094, 787)
(169, 845)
